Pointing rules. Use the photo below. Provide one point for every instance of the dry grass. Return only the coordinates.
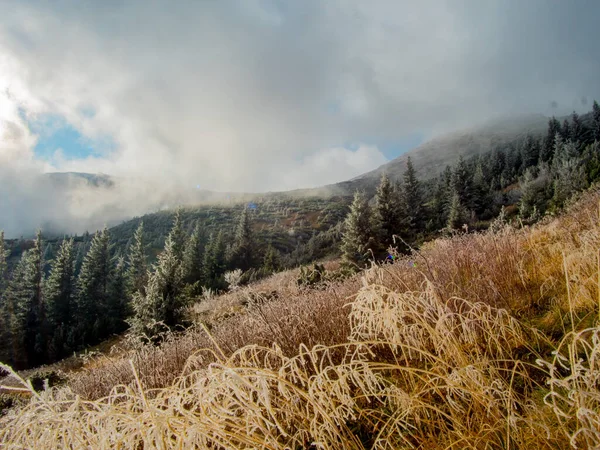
(482, 341)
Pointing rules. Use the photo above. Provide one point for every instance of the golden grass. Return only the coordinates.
(481, 341)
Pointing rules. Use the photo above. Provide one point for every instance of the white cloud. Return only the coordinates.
(238, 95)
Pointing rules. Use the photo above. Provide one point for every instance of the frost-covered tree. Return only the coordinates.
(243, 250)
(388, 210)
(92, 290)
(14, 317)
(192, 258)
(458, 213)
(359, 236)
(118, 306)
(462, 183)
(596, 121)
(547, 151)
(413, 197)
(60, 300)
(137, 271)
(215, 263)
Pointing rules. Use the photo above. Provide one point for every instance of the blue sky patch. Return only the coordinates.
(54, 132)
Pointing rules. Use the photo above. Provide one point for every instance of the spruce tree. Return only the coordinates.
(214, 261)
(596, 121)
(458, 214)
(3, 264)
(462, 183)
(92, 290)
(15, 314)
(547, 151)
(242, 255)
(578, 131)
(178, 236)
(137, 272)
(481, 188)
(413, 197)
(387, 204)
(118, 307)
(60, 296)
(359, 236)
(271, 262)
(530, 152)
(566, 130)
(192, 258)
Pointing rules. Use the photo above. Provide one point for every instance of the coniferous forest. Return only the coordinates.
(63, 296)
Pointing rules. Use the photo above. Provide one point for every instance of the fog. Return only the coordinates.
(264, 95)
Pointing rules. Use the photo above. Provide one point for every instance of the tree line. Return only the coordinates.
(536, 175)
(48, 310)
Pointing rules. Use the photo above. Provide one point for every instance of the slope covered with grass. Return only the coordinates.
(477, 341)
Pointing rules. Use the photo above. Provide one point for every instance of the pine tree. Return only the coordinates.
(547, 151)
(60, 296)
(118, 307)
(596, 121)
(15, 314)
(458, 214)
(178, 236)
(3, 264)
(440, 203)
(413, 197)
(530, 152)
(359, 236)
(578, 131)
(566, 130)
(388, 210)
(481, 188)
(92, 290)
(215, 261)
(137, 272)
(242, 255)
(192, 258)
(462, 183)
(271, 262)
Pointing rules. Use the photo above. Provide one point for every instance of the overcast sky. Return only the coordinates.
(272, 95)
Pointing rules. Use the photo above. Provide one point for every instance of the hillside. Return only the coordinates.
(482, 340)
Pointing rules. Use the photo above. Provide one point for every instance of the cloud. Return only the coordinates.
(239, 95)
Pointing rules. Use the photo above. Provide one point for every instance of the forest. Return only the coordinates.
(59, 296)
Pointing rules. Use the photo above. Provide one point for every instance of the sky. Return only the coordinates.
(263, 95)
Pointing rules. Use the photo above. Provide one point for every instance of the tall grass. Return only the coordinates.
(482, 341)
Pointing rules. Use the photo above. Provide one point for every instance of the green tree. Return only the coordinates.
(272, 260)
(60, 296)
(3, 264)
(215, 263)
(118, 307)
(14, 315)
(388, 210)
(413, 197)
(359, 236)
(481, 189)
(193, 258)
(530, 152)
(137, 272)
(566, 130)
(578, 131)
(547, 151)
(92, 290)
(596, 121)
(458, 214)
(243, 250)
(462, 183)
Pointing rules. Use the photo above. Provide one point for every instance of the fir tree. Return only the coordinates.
(15, 314)
(242, 255)
(566, 130)
(215, 262)
(137, 272)
(596, 121)
(578, 131)
(359, 236)
(530, 152)
(462, 183)
(547, 151)
(118, 306)
(192, 258)
(457, 215)
(92, 290)
(481, 189)
(271, 262)
(3, 264)
(413, 197)
(387, 204)
(60, 293)
(178, 236)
